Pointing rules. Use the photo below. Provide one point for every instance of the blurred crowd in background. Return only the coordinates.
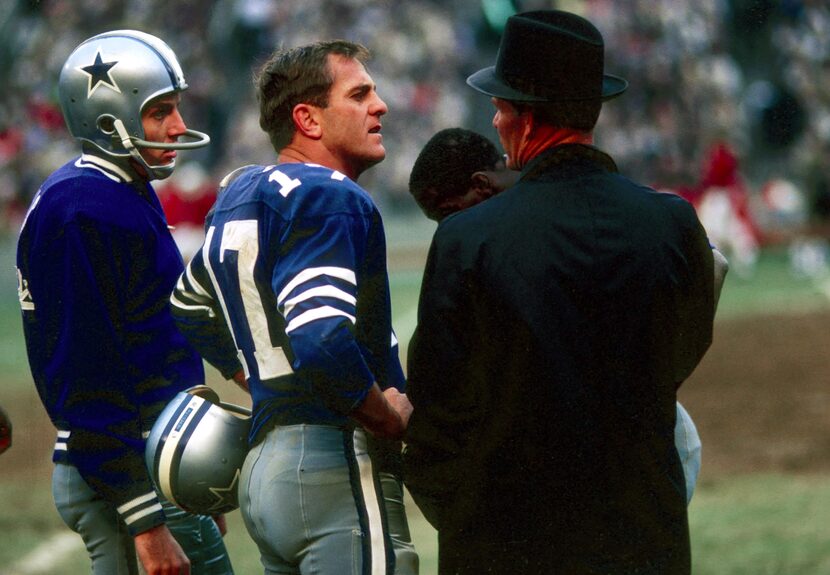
(728, 104)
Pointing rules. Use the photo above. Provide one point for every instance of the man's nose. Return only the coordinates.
(379, 107)
(177, 126)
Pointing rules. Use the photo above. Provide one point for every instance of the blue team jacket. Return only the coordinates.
(96, 265)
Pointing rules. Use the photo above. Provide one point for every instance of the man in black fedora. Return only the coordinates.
(556, 322)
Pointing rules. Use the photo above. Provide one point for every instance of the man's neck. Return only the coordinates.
(129, 167)
(545, 137)
(297, 154)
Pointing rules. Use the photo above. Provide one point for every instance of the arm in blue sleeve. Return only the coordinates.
(93, 364)
(317, 291)
(199, 317)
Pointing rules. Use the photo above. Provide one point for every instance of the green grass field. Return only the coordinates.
(741, 525)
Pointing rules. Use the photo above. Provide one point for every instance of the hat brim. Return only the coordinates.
(486, 82)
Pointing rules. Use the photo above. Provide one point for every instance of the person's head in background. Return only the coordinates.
(456, 169)
(548, 84)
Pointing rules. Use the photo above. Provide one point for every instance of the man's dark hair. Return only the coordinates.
(294, 76)
(445, 166)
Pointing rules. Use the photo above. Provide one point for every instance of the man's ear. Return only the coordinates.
(482, 186)
(529, 124)
(305, 118)
(491, 182)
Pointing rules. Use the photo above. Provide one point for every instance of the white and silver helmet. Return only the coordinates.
(196, 449)
(103, 88)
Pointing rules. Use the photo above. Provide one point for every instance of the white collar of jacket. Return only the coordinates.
(111, 170)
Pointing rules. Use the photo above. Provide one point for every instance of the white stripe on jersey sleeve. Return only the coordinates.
(190, 295)
(311, 273)
(137, 505)
(194, 283)
(175, 301)
(315, 314)
(320, 291)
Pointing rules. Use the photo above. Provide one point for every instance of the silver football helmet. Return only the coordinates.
(196, 449)
(103, 88)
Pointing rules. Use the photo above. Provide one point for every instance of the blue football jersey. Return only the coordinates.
(291, 284)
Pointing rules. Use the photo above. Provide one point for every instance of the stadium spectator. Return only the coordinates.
(693, 75)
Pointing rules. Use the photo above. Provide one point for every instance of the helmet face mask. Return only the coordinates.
(196, 449)
(106, 83)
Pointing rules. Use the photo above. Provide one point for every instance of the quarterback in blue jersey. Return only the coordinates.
(294, 264)
(96, 263)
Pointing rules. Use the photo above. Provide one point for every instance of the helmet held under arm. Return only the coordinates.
(196, 450)
(105, 84)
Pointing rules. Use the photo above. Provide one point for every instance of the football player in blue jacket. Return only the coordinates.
(294, 264)
(96, 264)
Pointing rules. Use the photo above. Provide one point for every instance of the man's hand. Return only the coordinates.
(384, 413)
(239, 379)
(221, 523)
(400, 403)
(160, 553)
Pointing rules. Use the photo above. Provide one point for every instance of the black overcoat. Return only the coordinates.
(556, 322)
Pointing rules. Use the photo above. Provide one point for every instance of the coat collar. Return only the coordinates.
(566, 154)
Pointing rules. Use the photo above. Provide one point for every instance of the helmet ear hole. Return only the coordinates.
(106, 123)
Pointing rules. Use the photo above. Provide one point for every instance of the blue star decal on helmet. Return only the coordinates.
(99, 75)
(226, 497)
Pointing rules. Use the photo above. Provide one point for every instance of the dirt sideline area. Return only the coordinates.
(760, 399)
(761, 396)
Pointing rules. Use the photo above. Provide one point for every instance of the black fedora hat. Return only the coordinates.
(549, 56)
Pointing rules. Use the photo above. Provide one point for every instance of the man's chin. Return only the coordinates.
(379, 153)
(156, 171)
(374, 160)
